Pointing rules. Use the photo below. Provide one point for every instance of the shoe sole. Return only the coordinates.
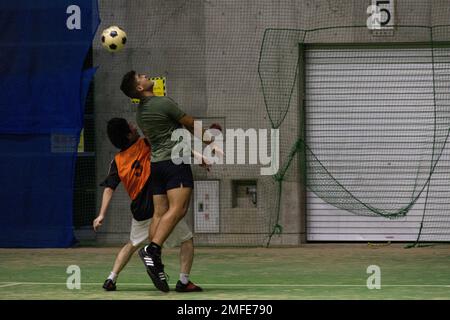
(187, 291)
(181, 289)
(164, 287)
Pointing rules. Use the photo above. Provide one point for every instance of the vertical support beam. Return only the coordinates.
(301, 139)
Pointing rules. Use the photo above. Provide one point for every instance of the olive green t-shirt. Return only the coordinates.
(158, 118)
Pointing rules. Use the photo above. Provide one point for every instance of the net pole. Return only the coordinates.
(415, 244)
(302, 163)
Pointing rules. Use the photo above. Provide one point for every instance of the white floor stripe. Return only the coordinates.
(7, 284)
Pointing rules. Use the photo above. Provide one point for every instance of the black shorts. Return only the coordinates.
(166, 175)
(142, 206)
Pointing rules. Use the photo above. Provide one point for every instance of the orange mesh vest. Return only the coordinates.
(133, 165)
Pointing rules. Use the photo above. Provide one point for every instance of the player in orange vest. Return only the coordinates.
(131, 166)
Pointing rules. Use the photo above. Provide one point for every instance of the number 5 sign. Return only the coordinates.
(381, 19)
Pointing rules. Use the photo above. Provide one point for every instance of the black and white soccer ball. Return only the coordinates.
(114, 38)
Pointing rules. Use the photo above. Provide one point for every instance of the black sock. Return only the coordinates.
(154, 248)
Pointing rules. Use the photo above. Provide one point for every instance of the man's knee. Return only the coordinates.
(180, 208)
(179, 212)
(189, 243)
(132, 247)
(159, 211)
(160, 205)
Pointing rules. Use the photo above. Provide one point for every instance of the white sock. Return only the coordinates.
(184, 278)
(113, 276)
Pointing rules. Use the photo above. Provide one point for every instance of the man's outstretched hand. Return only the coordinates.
(97, 223)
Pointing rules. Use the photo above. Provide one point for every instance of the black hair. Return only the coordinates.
(129, 84)
(118, 129)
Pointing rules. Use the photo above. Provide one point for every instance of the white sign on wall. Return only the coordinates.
(381, 20)
(206, 207)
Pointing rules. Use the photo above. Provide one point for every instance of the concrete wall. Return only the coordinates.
(209, 52)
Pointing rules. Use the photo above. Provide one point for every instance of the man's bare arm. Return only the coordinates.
(188, 122)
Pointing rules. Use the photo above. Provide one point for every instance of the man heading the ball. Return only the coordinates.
(172, 184)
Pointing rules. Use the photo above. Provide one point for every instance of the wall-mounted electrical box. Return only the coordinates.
(244, 194)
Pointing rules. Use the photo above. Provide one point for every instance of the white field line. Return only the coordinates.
(249, 285)
(9, 284)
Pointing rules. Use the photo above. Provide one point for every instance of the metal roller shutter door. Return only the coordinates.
(347, 90)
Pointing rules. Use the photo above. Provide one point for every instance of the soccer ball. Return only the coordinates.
(114, 39)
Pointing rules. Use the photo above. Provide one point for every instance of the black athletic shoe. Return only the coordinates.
(189, 287)
(109, 285)
(155, 270)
